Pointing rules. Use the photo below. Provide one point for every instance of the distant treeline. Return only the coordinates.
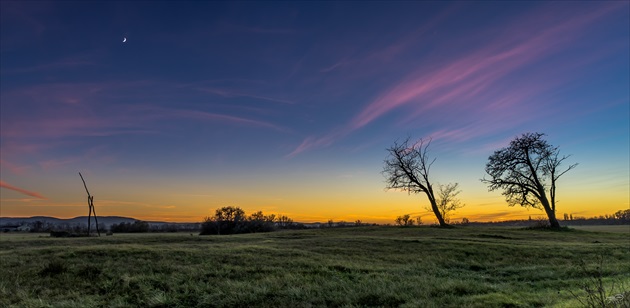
(41, 226)
(621, 217)
(143, 226)
(123, 227)
(232, 220)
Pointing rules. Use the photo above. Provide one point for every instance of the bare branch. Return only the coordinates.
(447, 200)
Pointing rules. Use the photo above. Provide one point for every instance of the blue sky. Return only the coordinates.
(288, 107)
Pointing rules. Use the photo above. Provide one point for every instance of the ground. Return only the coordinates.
(349, 267)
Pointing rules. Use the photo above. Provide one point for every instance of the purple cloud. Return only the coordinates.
(474, 76)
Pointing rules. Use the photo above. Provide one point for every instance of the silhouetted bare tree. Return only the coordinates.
(447, 201)
(527, 171)
(407, 168)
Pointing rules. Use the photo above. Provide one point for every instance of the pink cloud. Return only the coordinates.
(15, 169)
(66, 110)
(22, 200)
(22, 191)
(54, 122)
(475, 75)
(136, 120)
(54, 163)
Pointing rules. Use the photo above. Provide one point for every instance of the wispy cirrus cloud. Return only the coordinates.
(41, 121)
(133, 120)
(87, 109)
(312, 142)
(14, 168)
(21, 190)
(234, 93)
(58, 65)
(202, 115)
(335, 66)
(225, 27)
(477, 72)
(469, 81)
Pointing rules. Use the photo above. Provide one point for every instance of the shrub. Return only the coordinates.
(404, 220)
(126, 227)
(594, 293)
(59, 234)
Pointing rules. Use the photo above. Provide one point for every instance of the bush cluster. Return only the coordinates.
(406, 220)
(232, 220)
(126, 227)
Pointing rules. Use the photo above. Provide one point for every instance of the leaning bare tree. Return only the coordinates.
(407, 168)
(527, 171)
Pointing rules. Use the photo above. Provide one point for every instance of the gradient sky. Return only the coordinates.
(288, 107)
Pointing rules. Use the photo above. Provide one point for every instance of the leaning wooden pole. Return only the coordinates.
(89, 216)
(90, 208)
(95, 218)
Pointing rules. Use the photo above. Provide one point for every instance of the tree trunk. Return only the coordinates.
(553, 222)
(437, 213)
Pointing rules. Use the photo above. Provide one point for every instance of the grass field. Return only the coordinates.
(351, 267)
(625, 229)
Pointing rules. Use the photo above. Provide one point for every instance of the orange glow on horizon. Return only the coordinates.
(347, 199)
(383, 215)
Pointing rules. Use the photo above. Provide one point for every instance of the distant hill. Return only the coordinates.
(81, 220)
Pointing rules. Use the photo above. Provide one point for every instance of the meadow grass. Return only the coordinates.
(347, 267)
(609, 228)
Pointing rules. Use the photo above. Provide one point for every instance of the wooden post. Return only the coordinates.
(90, 208)
(95, 218)
(89, 213)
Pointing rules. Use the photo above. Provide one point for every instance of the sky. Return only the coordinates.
(171, 110)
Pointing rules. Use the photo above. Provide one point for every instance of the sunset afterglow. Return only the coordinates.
(288, 107)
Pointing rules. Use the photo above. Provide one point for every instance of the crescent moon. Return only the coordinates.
(124, 39)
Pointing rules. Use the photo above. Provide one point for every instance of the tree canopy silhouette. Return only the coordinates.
(527, 171)
(232, 220)
(407, 168)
